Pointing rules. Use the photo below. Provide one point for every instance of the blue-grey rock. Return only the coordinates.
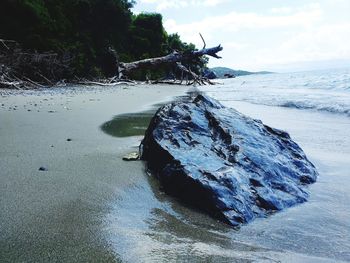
(223, 162)
(209, 74)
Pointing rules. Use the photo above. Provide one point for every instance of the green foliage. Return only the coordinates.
(148, 37)
(86, 29)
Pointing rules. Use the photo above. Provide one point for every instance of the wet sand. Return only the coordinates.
(90, 206)
(58, 215)
(146, 225)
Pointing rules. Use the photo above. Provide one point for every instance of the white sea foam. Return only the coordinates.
(327, 91)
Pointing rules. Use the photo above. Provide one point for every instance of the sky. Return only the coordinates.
(275, 35)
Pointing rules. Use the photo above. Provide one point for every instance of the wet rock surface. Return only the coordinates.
(223, 162)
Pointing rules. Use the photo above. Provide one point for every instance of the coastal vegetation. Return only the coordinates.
(83, 38)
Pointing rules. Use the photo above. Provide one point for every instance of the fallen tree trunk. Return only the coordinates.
(126, 69)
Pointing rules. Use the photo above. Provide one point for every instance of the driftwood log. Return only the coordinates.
(126, 69)
(175, 59)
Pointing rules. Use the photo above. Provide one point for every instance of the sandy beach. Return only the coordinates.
(90, 206)
(57, 215)
(246, 159)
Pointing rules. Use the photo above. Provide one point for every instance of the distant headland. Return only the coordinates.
(223, 72)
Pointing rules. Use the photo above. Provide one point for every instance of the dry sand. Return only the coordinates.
(57, 215)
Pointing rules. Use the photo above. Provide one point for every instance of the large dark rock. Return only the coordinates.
(207, 73)
(215, 158)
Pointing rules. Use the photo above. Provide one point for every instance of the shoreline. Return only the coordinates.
(91, 205)
(45, 214)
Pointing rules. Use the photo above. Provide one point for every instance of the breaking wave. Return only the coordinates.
(325, 91)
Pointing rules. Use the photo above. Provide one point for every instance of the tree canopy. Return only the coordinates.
(87, 30)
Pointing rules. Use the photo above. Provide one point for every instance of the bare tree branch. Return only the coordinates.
(203, 40)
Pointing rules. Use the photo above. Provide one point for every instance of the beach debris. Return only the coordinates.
(223, 162)
(43, 169)
(24, 69)
(133, 156)
(175, 59)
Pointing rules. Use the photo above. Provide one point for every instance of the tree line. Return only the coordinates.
(94, 33)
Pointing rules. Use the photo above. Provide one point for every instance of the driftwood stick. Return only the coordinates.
(33, 82)
(3, 42)
(203, 40)
(104, 84)
(45, 78)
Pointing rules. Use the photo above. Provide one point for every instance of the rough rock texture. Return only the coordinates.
(216, 159)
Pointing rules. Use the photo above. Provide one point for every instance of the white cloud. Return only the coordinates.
(277, 35)
(236, 45)
(175, 4)
(213, 2)
(235, 21)
(315, 44)
(325, 42)
(282, 10)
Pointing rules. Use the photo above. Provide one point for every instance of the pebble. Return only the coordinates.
(134, 156)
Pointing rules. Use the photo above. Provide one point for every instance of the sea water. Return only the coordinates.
(327, 91)
(146, 225)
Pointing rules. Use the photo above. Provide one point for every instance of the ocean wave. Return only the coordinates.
(324, 91)
(337, 109)
(301, 101)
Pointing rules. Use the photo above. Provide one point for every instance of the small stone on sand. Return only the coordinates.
(134, 156)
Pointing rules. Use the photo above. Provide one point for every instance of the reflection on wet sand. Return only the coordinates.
(162, 230)
(125, 125)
